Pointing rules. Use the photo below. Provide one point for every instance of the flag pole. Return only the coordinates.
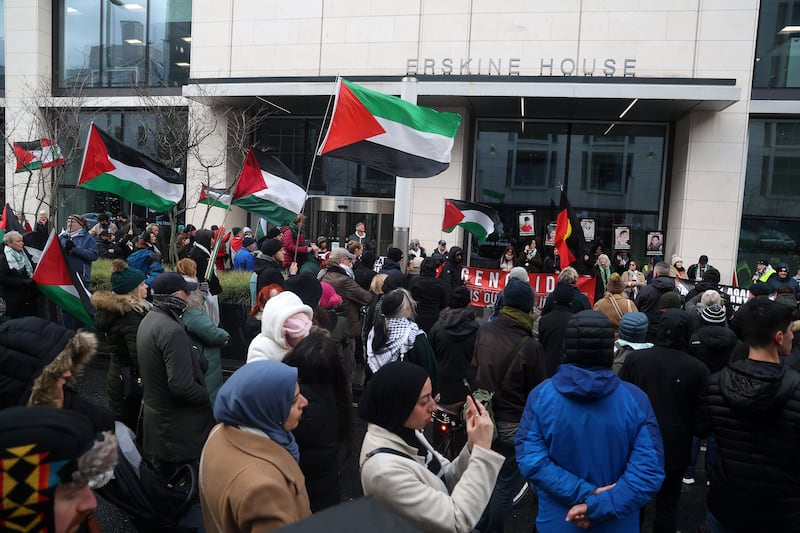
(314, 157)
(212, 260)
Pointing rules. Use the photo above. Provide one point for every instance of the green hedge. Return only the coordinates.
(235, 285)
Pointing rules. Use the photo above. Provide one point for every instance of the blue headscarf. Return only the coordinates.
(260, 395)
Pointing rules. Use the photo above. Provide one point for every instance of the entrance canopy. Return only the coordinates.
(545, 97)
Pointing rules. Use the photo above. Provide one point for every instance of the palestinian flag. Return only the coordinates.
(214, 197)
(33, 155)
(110, 166)
(569, 236)
(268, 189)
(61, 284)
(389, 134)
(477, 219)
(10, 222)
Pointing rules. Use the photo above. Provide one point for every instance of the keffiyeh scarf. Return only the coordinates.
(18, 261)
(402, 333)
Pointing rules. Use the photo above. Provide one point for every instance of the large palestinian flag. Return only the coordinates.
(477, 219)
(110, 166)
(268, 189)
(214, 197)
(33, 155)
(569, 237)
(389, 134)
(61, 284)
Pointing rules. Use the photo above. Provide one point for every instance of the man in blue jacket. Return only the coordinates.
(589, 441)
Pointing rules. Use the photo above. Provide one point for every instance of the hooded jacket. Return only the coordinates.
(452, 338)
(119, 320)
(675, 382)
(563, 415)
(451, 269)
(271, 344)
(267, 271)
(431, 297)
(34, 353)
(353, 296)
(754, 408)
(775, 282)
(650, 294)
(713, 345)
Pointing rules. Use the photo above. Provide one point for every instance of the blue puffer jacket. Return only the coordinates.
(82, 254)
(584, 429)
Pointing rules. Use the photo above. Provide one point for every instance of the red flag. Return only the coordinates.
(566, 239)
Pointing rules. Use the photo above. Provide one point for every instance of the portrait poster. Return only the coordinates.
(655, 243)
(622, 237)
(551, 234)
(526, 224)
(587, 225)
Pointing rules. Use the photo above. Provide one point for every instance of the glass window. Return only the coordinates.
(123, 43)
(777, 62)
(770, 223)
(2, 44)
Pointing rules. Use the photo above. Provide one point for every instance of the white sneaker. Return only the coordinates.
(688, 481)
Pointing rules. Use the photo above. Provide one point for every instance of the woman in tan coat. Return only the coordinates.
(250, 478)
(614, 304)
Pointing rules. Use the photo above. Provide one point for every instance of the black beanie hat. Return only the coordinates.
(395, 254)
(711, 275)
(563, 293)
(39, 450)
(306, 286)
(589, 340)
(518, 295)
(270, 247)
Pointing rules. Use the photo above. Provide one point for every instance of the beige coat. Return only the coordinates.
(614, 306)
(249, 483)
(411, 490)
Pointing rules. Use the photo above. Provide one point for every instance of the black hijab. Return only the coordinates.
(390, 398)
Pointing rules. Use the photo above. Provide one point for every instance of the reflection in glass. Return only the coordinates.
(770, 225)
(124, 43)
(777, 62)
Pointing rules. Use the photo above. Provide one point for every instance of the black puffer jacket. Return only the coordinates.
(754, 408)
(451, 270)
(494, 344)
(713, 345)
(453, 341)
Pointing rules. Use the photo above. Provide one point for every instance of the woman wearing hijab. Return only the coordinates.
(396, 337)
(399, 467)
(250, 479)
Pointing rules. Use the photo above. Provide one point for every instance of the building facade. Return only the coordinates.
(673, 117)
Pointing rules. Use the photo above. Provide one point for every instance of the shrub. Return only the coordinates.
(235, 285)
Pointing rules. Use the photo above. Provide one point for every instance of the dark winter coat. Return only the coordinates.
(431, 296)
(451, 270)
(209, 338)
(32, 346)
(364, 275)
(119, 319)
(494, 344)
(579, 301)
(318, 436)
(452, 338)
(268, 271)
(395, 276)
(82, 254)
(650, 294)
(177, 412)
(754, 407)
(551, 335)
(713, 345)
(16, 289)
(676, 383)
(353, 296)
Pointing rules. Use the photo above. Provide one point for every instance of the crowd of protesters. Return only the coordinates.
(602, 408)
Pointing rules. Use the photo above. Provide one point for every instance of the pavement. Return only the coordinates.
(92, 385)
